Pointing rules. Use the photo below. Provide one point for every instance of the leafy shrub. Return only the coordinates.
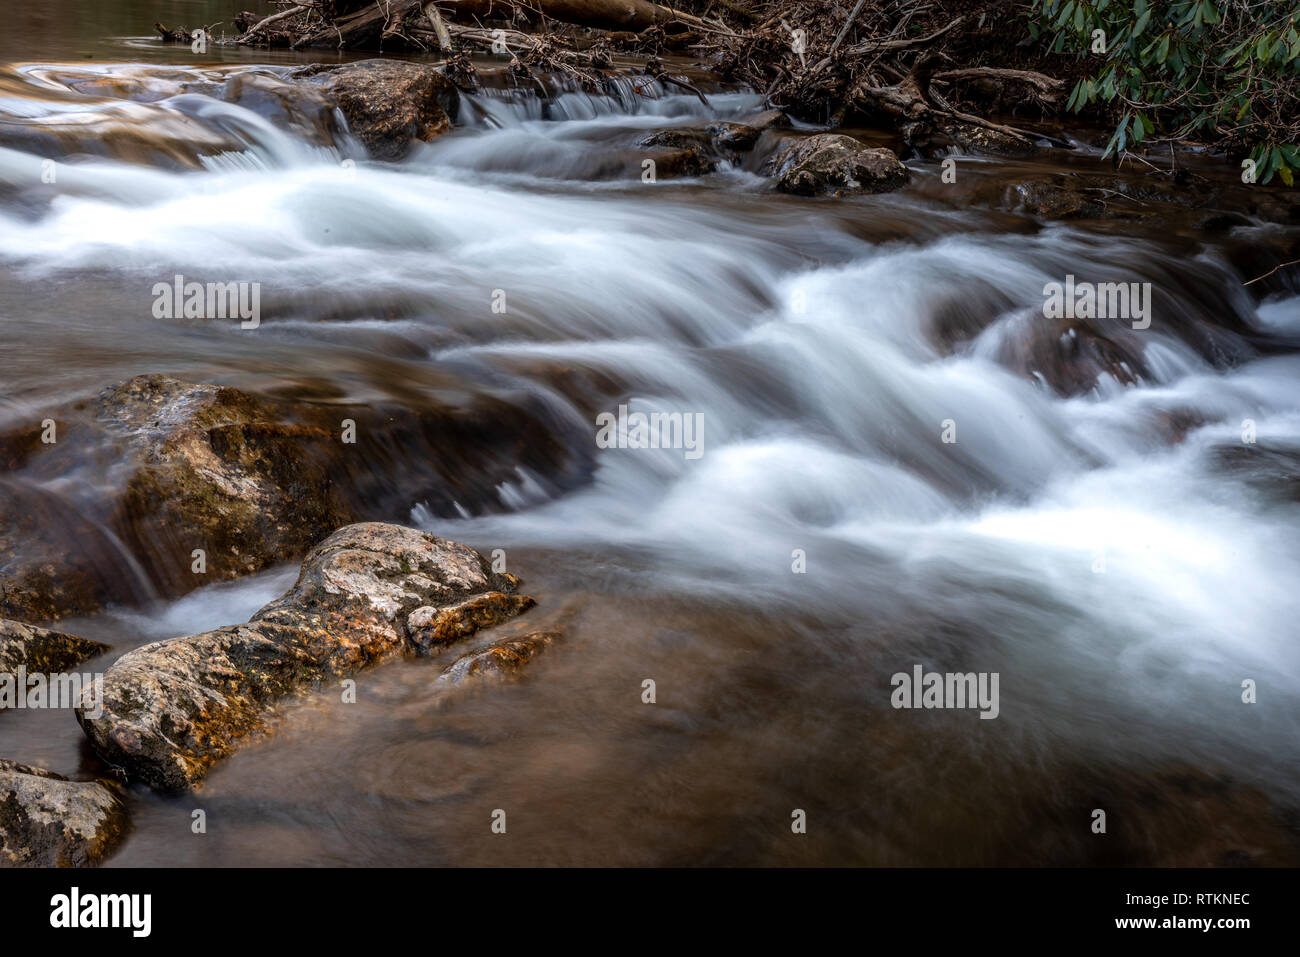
(1227, 71)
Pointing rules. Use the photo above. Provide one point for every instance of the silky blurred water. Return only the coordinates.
(1121, 579)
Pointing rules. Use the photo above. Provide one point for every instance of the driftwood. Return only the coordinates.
(1046, 86)
(634, 15)
(172, 35)
(855, 57)
(352, 24)
(918, 109)
(261, 25)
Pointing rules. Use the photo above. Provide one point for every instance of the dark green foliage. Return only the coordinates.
(1223, 70)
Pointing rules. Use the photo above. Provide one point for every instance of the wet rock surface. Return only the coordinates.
(502, 659)
(155, 468)
(831, 163)
(39, 649)
(681, 152)
(161, 116)
(48, 821)
(369, 592)
(972, 138)
(389, 104)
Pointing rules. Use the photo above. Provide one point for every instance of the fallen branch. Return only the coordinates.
(1281, 266)
(1049, 87)
(847, 24)
(894, 46)
(440, 28)
(273, 18)
(635, 15)
(655, 69)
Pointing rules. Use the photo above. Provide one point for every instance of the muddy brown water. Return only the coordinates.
(1098, 534)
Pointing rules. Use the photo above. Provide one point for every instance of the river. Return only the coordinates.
(1123, 576)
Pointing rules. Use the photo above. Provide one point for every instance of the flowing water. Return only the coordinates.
(1104, 541)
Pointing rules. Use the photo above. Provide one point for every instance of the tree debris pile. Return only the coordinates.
(829, 61)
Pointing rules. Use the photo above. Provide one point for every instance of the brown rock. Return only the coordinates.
(836, 164)
(973, 138)
(42, 650)
(154, 468)
(388, 103)
(369, 592)
(501, 659)
(48, 821)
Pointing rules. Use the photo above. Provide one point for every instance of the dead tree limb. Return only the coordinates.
(1048, 87)
(273, 18)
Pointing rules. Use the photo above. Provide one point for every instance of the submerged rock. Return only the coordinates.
(388, 103)
(368, 592)
(973, 138)
(500, 659)
(734, 137)
(48, 821)
(155, 468)
(767, 120)
(39, 649)
(836, 164)
(680, 152)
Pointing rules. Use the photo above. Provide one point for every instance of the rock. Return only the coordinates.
(48, 821)
(164, 126)
(677, 139)
(154, 468)
(41, 650)
(973, 138)
(501, 659)
(368, 592)
(1072, 355)
(1049, 200)
(1272, 470)
(675, 164)
(836, 164)
(388, 103)
(734, 137)
(1102, 196)
(688, 151)
(767, 120)
(680, 152)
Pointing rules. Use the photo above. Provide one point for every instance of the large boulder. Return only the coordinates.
(388, 103)
(836, 164)
(42, 650)
(152, 469)
(48, 821)
(367, 593)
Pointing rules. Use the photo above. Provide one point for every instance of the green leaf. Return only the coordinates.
(1162, 52)
(1285, 172)
(1141, 24)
